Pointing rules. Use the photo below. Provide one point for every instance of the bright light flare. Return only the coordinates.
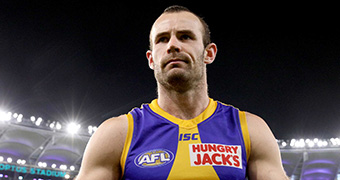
(73, 128)
(5, 116)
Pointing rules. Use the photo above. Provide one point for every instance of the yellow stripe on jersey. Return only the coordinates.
(127, 142)
(245, 132)
(191, 123)
(182, 168)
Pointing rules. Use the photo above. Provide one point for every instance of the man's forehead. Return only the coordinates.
(177, 21)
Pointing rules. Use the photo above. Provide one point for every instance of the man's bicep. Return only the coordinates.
(266, 168)
(101, 158)
(97, 172)
(265, 159)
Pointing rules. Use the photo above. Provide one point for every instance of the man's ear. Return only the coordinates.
(150, 59)
(210, 53)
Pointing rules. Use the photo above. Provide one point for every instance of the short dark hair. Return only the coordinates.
(176, 8)
(206, 30)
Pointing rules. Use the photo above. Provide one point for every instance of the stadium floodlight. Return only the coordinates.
(324, 143)
(311, 144)
(42, 164)
(38, 122)
(58, 126)
(19, 118)
(52, 125)
(300, 143)
(72, 168)
(1, 158)
(73, 128)
(9, 116)
(335, 141)
(5, 116)
(9, 159)
(63, 167)
(92, 129)
(53, 166)
(32, 118)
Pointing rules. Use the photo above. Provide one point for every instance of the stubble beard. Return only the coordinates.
(184, 79)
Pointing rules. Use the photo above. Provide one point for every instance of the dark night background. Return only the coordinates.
(86, 61)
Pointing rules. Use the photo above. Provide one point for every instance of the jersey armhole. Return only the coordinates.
(127, 143)
(245, 132)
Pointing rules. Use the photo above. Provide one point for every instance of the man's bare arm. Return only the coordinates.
(102, 154)
(265, 159)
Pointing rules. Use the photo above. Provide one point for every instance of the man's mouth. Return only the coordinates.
(175, 61)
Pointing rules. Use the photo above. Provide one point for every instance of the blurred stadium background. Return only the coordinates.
(33, 148)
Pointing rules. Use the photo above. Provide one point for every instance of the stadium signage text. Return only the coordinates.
(33, 171)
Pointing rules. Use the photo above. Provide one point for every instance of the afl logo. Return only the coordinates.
(154, 158)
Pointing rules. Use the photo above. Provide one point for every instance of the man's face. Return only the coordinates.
(178, 50)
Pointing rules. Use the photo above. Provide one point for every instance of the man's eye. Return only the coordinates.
(185, 37)
(163, 39)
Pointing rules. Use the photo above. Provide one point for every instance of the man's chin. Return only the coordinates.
(177, 73)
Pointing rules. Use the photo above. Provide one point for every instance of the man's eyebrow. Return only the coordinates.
(188, 32)
(185, 31)
(161, 34)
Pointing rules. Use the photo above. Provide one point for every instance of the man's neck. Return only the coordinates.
(187, 105)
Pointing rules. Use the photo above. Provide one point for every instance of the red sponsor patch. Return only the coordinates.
(207, 154)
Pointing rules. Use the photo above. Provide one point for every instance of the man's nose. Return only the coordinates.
(174, 45)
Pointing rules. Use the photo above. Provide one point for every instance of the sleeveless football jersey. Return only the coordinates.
(159, 146)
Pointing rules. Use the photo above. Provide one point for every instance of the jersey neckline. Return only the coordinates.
(185, 123)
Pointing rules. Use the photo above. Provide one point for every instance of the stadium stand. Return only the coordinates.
(36, 149)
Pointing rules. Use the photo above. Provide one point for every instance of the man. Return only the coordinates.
(183, 134)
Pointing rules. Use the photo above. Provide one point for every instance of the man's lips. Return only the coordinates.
(175, 61)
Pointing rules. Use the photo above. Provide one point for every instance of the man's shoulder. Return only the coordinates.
(111, 133)
(114, 122)
(255, 121)
(259, 132)
(103, 151)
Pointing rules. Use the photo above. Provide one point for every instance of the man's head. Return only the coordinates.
(205, 27)
(180, 48)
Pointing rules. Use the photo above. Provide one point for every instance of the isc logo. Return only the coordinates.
(154, 158)
(188, 136)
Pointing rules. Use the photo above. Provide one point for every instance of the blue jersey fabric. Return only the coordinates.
(215, 145)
